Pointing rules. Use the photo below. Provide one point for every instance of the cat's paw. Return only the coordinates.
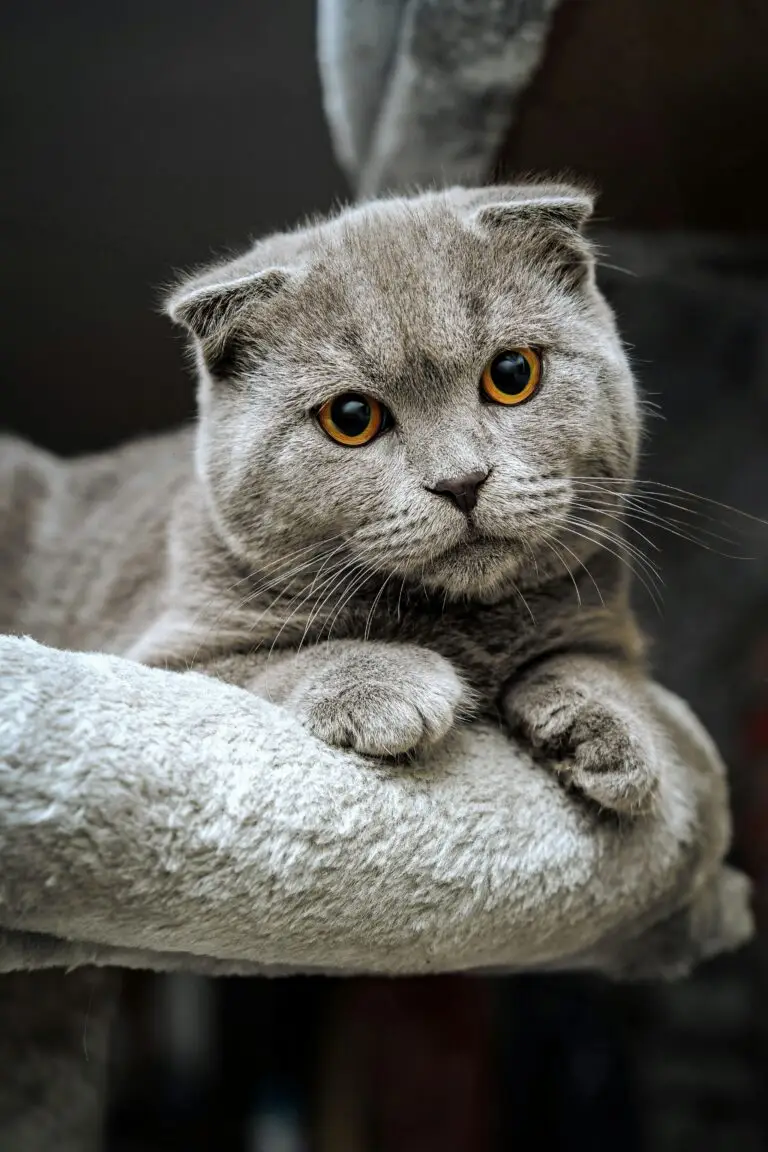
(595, 744)
(397, 701)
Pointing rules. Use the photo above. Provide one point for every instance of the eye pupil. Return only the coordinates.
(510, 373)
(353, 419)
(512, 377)
(351, 414)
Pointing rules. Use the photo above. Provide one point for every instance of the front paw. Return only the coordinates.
(598, 745)
(396, 700)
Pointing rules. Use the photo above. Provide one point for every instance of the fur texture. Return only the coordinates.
(407, 301)
(152, 818)
(169, 821)
(301, 551)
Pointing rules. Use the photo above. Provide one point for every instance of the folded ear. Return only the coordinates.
(204, 305)
(217, 312)
(558, 204)
(550, 216)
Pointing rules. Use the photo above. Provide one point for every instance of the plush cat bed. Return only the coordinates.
(154, 819)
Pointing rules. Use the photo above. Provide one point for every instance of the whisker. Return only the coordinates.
(359, 566)
(621, 542)
(645, 581)
(369, 619)
(548, 541)
(288, 619)
(400, 596)
(357, 583)
(301, 596)
(635, 508)
(643, 499)
(526, 605)
(348, 571)
(603, 510)
(657, 484)
(286, 577)
(582, 564)
(279, 573)
(675, 528)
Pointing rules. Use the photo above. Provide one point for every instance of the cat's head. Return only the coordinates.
(415, 382)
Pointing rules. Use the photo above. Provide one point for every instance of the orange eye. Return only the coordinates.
(512, 376)
(353, 419)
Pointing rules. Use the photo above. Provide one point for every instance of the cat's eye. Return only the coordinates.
(353, 419)
(512, 376)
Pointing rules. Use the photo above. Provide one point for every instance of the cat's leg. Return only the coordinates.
(588, 716)
(379, 699)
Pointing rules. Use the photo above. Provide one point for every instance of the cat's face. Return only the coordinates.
(427, 319)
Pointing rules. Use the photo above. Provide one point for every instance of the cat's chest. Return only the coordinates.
(486, 643)
(490, 643)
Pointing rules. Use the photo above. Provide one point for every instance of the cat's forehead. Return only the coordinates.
(404, 250)
(416, 279)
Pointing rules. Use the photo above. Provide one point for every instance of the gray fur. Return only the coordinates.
(282, 539)
(408, 300)
(211, 549)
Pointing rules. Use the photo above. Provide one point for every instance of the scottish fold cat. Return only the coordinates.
(403, 503)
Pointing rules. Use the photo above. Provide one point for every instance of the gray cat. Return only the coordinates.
(416, 425)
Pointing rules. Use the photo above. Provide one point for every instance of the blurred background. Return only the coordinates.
(139, 140)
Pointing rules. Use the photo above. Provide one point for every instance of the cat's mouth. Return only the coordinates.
(474, 543)
(478, 564)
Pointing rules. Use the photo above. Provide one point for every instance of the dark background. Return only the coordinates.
(140, 139)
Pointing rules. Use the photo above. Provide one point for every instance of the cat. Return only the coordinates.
(403, 510)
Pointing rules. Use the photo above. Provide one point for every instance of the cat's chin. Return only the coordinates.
(483, 570)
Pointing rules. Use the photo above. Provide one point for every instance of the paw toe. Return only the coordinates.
(617, 789)
(616, 772)
(381, 722)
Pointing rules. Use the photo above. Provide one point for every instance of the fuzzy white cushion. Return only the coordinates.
(164, 820)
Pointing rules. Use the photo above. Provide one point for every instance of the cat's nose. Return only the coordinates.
(461, 489)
